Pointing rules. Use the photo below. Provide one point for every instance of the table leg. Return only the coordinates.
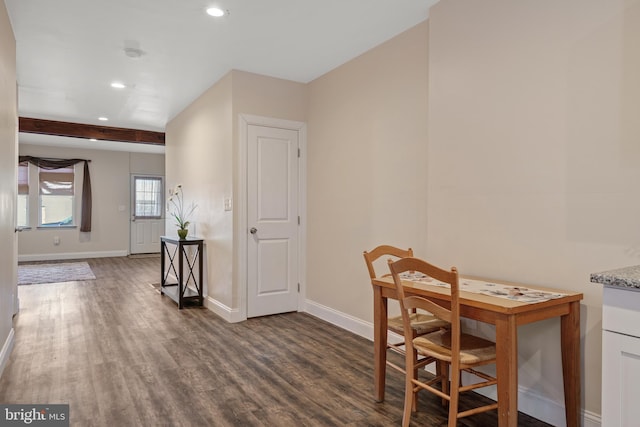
(379, 342)
(570, 336)
(200, 274)
(162, 276)
(181, 254)
(507, 371)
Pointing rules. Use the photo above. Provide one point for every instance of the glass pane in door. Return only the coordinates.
(147, 197)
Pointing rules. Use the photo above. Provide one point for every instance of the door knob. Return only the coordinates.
(253, 230)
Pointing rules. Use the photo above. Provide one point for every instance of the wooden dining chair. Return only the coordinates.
(461, 351)
(421, 323)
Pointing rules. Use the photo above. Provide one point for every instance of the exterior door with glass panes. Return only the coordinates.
(147, 213)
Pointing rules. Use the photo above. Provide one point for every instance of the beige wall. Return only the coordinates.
(201, 153)
(366, 167)
(199, 156)
(268, 96)
(8, 186)
(110, 185)
(534, 156)
(146, 164)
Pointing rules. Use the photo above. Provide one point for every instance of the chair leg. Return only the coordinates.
(409, 398)
(443, 370)
(454, 395)
(414, 403)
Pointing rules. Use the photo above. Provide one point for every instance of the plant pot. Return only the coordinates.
(182, 233)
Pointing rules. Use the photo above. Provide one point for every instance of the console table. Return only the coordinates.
(186, 256)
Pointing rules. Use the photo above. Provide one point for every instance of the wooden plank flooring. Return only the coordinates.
(122, 355)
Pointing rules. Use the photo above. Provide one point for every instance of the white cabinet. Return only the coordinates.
(620, 357)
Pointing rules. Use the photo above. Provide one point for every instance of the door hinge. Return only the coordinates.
(298, 153)
(298, 287)
(298, 219)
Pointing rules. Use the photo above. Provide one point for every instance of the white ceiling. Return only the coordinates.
(69, 51)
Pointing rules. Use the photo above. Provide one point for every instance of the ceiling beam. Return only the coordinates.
(78, 130)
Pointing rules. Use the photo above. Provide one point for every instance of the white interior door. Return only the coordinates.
(147, 213)
(272, 220)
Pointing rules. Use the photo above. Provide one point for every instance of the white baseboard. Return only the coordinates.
(71, 255)
(590, 419)
(345, 321)
(541, 407)
(529, 401)
(229, 314)
(5, 352)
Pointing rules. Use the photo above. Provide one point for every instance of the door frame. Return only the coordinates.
(241, 227)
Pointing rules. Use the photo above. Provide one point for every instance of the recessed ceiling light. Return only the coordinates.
(118, 85)
(103, 119)
(215, 11)
(93, 140)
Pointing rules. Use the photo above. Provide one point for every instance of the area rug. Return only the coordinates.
(31, 274)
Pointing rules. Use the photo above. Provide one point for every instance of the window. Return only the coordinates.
(56, 197)
(147, 197)
(23, 195)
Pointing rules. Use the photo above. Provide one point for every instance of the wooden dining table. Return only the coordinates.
(506, 315)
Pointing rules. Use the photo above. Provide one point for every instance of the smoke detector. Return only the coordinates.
(133, 52)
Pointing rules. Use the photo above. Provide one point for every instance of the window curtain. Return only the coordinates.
(57, 182)
(23, 178)
(51, 164)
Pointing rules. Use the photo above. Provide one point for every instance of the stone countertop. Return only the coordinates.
(627, 277)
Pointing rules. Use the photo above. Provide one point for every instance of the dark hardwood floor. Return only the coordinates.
(121, 355)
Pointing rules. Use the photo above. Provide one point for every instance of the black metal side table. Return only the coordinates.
(186, 256)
